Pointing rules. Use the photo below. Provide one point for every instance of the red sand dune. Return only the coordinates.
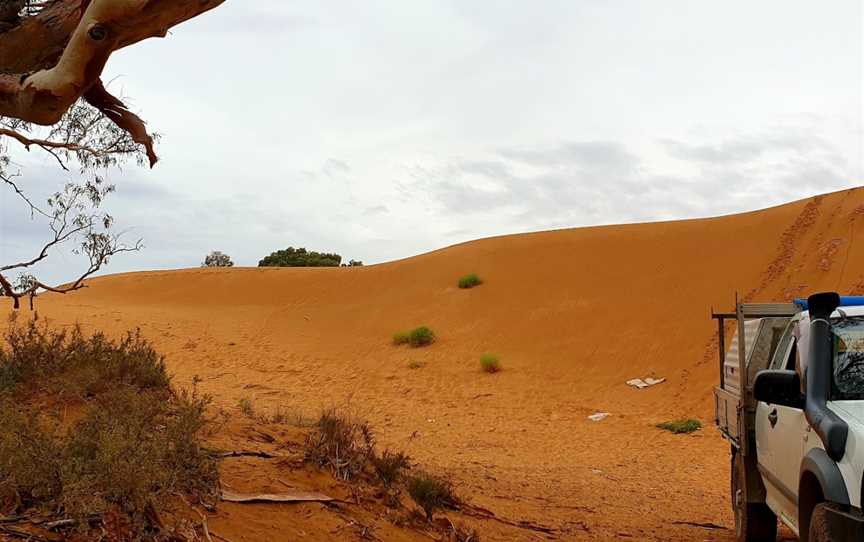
(572, 315)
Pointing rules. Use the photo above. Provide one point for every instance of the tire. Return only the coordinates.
(754, 522)
(819, 524)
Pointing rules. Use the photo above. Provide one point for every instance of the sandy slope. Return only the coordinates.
(572, 315)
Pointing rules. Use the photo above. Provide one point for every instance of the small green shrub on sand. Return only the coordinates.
(682, 426)
(421, 336)
(470, 281)
(417, 337)
(489, 363)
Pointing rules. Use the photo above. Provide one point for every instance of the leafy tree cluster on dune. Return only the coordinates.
(217, 259)
(300, 257)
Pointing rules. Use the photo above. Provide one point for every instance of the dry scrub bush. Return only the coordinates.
(347, 447)
(430, 492)
(341, 443)
(68, 363)
(134, 448)
(29, 460)
(246, 407)
(131, 440)
(389, 466)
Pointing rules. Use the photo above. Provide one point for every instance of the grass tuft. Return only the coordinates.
(417, 337)
(416, 364)
(489, 363)
(470, 281)
(421, 336)
(682, 426)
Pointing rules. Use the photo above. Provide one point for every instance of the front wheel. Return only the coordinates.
(754, 522)
(819, 524)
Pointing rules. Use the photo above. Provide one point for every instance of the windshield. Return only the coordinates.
(848, 336)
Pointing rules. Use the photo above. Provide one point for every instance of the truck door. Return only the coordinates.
(780, 434)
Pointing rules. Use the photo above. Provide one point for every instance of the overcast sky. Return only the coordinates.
(383, 129)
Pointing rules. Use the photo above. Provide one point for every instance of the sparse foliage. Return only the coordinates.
(217, 259)
(73, 216)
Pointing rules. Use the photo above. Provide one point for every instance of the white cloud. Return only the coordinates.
(383, 129)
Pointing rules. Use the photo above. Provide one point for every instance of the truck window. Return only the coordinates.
(784, 349)
(848, 337)
(793, 361)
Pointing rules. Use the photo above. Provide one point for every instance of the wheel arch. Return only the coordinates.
(820, 481)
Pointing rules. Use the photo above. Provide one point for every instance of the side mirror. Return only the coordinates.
(779, 388)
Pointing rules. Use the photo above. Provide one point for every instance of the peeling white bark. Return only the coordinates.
(43, 96)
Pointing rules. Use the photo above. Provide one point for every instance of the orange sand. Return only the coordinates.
(572, 315)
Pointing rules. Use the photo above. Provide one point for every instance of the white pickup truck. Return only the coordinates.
(791, 403)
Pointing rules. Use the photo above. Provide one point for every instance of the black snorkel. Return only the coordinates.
(831, 428)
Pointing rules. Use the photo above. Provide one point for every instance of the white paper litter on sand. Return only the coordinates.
(638, 383)
(598, 416)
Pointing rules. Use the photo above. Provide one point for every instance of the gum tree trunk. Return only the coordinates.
(50, 59)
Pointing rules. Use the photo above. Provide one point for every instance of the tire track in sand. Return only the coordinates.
(779, 267)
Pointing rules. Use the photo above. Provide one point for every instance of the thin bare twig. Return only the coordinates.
(33, 207)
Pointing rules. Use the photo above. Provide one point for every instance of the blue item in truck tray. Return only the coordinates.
(845, 301)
